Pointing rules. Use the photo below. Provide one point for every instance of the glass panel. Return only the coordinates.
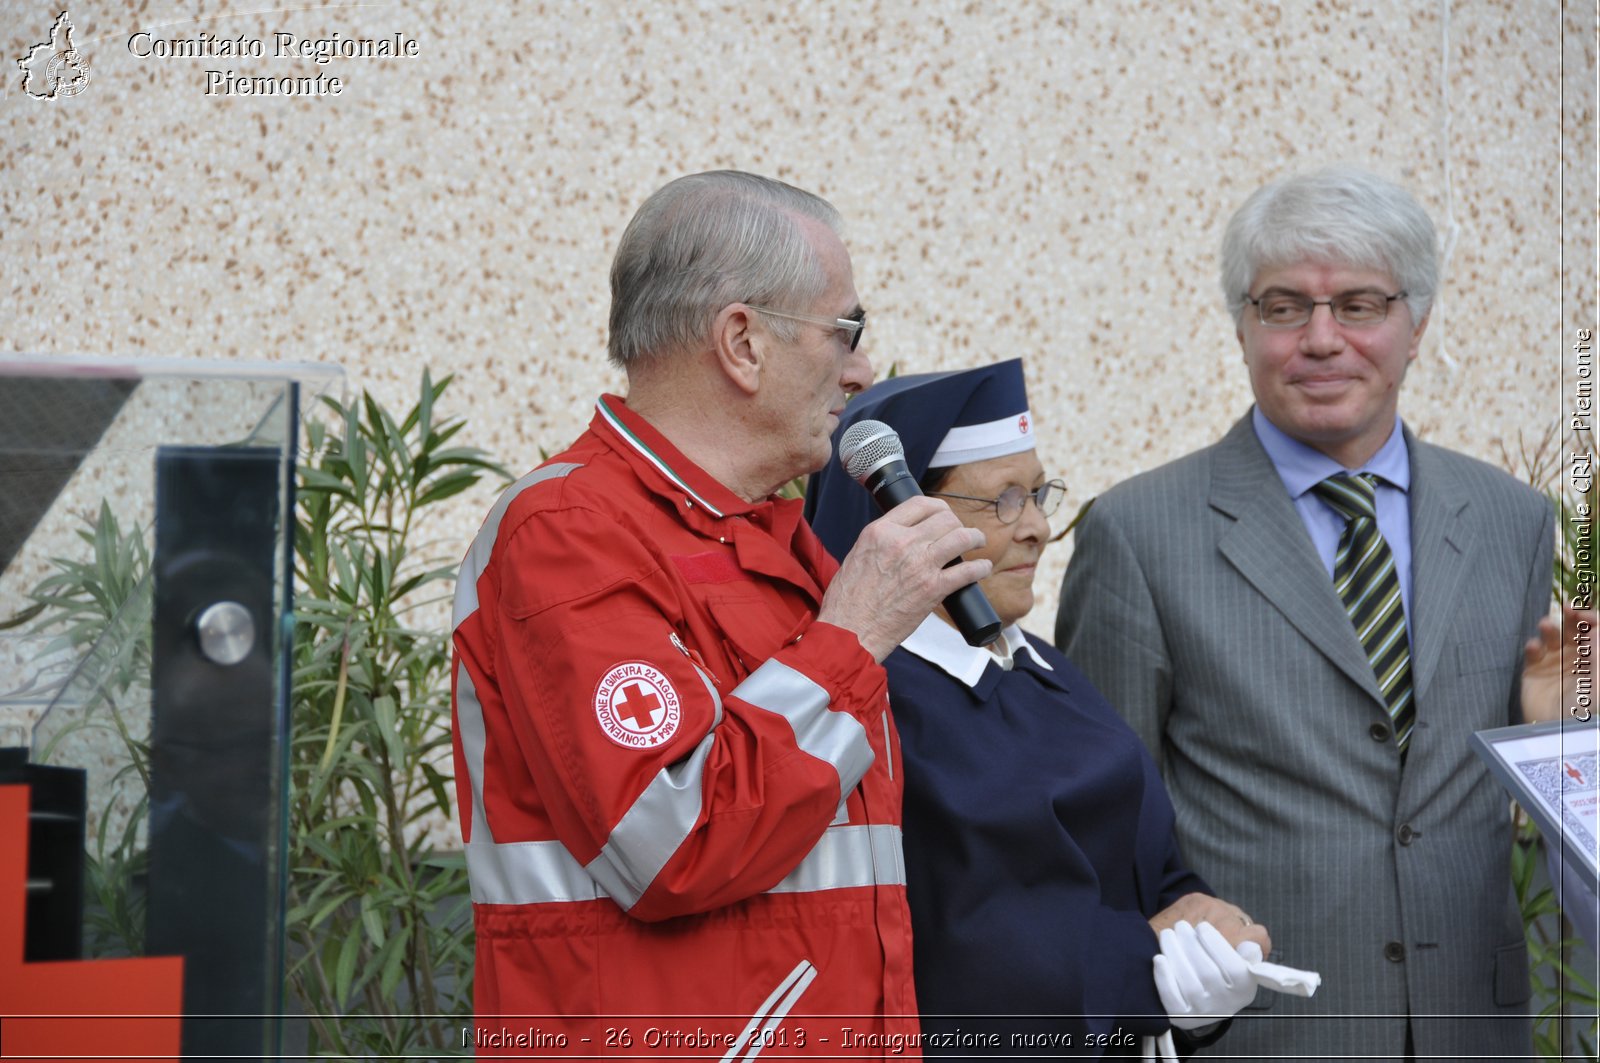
(143, 650)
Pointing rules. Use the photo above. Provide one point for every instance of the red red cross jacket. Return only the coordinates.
(679, 791)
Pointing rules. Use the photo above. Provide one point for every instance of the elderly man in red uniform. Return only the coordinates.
(678, 774)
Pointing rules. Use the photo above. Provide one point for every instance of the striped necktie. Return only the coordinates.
(1364, 576)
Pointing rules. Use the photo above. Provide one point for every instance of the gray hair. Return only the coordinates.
(702, 242)
(1337, 214)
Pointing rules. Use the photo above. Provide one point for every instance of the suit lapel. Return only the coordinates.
(1269, 545)
(1441, 538)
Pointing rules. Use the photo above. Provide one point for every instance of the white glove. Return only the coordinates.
(1199, 976)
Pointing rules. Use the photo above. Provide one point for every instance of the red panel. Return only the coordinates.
(88, 1009)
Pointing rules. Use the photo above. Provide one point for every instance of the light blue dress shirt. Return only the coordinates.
(1302, 467)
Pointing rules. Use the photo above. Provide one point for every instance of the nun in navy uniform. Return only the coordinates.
(1040, 858)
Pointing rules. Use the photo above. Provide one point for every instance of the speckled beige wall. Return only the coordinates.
(1038, 179)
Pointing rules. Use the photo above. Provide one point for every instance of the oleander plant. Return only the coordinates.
(378, 925)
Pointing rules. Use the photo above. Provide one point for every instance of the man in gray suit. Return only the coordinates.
(1307, 620)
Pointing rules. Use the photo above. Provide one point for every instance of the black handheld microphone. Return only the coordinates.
(872, 455)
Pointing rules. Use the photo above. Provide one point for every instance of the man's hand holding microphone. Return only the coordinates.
(908, 561)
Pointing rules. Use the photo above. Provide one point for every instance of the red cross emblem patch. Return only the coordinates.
(637, 705)
(1022, 424)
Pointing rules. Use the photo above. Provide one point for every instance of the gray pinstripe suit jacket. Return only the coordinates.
(1196, 602)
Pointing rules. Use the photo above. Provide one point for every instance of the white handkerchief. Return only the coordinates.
(1283, 979)
(1158, 1049)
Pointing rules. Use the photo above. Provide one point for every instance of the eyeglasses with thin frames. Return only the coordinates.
(855, 326)
(1288, 310)
(1008, 507)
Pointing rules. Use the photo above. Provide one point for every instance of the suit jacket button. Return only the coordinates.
(1379, 732)
(1406, 834)
(1394, 952)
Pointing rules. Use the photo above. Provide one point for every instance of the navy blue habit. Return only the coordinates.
(1038, 842)
(1038, 833)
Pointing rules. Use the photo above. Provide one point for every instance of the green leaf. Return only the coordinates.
(393, 961)
(355, 453)
(332, 827)
(372, 921)
(329, 907)
(345, 971)
(441, 435)
(391, 441)
(438, 785)
(313, 481)
(383, 709)
(446, 486)
(463, 456)
(423, 415)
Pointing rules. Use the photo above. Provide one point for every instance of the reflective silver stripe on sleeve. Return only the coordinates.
(659, 820)
(836, 737)
(651, 831)
(477, 559)
(544, 872)
(472, 736)
(526, 873)
(866, 855)
(469, 710)
(888, 746)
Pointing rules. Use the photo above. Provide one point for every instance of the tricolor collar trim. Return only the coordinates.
(652, 457)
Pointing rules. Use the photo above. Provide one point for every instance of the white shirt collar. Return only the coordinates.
(941, 645)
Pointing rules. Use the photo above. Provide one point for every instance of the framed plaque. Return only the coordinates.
(1553, 771)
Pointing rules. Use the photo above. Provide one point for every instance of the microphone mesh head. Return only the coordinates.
(866, 446)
